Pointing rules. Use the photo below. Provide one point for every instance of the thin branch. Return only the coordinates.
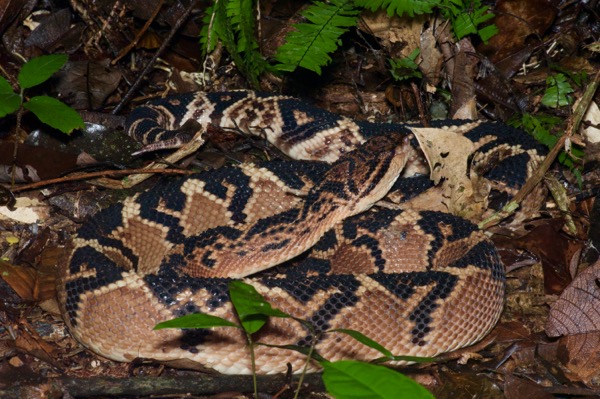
(538, 174)
(158, 53)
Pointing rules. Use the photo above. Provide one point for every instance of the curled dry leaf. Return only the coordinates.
(577, 310)
(577, 356)
(447, 153)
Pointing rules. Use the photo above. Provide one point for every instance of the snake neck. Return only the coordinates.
(352, 185)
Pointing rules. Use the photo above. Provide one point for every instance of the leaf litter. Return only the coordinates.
(546, 343)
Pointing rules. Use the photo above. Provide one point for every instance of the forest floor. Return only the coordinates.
(539, 72)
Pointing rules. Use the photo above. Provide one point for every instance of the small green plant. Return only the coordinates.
(343, 379)
(49, 110)
(468, 18)
(540, 127)
(309, 44)
(406, 68)
(233, 22)
(557, 91)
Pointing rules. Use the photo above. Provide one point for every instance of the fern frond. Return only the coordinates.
(310, 44)
(400, 7)
(209, 35)
(241, 20)
(233, 22)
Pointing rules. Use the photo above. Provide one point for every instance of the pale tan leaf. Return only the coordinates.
(447, 152)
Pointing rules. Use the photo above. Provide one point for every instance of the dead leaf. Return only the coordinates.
(517, 388)
(431, 58)
(50, 30)
(37, 163)
(87, 83)
(578, 308)
(9, 9)
(29, 284)
(519, 24)
(592, 116)
(578, 357)
(463, 76)
(550, 245)
(447, 152)
(393, 30)
(28, 341)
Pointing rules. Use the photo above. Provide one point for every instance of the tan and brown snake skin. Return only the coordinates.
(305, 234)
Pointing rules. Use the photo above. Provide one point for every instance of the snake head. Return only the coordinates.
(364, 176)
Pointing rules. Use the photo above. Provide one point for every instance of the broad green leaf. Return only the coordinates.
(39, 69)
(5, 86)
(9, 100)
(196, 320)
(355, 380)
(55, 113)
(251, 307)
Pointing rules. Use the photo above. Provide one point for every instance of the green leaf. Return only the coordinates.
(300, 349)
(355, 380)
(196, 320)
(38, 70)
(400, 7)
(310, 44)
(363, 339)
(233, 22)
(488, 32)
(406, 68)
(210, 25)
(463, 25)
(9, 100)
(540, 126)
(55, 113)
(251, 307)
(557, 91)
(467, 17)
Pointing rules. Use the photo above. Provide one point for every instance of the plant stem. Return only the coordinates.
(308, 357)
(16, 144)
(253, 362)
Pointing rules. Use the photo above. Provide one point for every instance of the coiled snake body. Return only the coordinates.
(419, 282)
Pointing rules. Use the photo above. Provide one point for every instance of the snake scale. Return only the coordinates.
(305, 233)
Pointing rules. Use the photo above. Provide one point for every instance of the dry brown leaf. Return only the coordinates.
(578, 357)
(447, 152)
(87, 83)
(517, 388)
(28, 283)
(519, 23)
(431, 57)
(578, 308)
(393, 30)
(28, 341)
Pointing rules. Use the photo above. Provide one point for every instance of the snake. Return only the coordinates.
(315, 235)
